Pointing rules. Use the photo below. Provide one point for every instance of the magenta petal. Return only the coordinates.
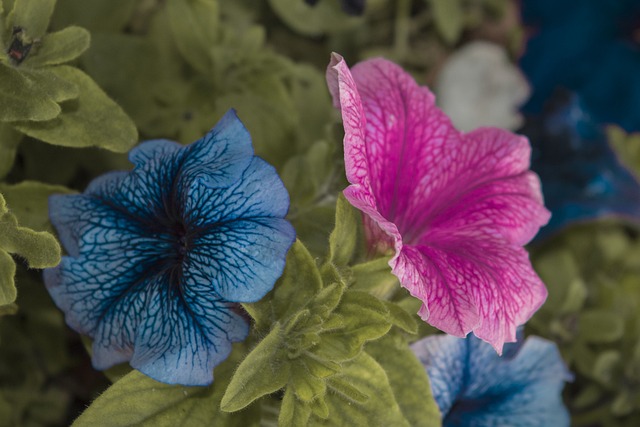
(455, 207)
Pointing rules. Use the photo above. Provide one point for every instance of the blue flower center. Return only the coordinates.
(182, 241)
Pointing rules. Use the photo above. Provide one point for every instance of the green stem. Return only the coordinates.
(402, 28)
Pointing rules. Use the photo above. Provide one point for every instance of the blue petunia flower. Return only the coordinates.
(159, 255)
(589, 47)
(582, 179)
(475, 387)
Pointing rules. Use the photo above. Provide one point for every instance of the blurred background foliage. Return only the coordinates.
(82, 81)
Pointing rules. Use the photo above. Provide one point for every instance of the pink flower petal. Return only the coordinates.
(456, 207)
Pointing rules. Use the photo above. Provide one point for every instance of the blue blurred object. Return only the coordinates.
(581, 176)
(590, 47)
(474, 387)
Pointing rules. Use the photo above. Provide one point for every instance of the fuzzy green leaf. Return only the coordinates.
(51, 85)
(91, 120)
(138, 400)
(39, 249)
(8, 291)
(9, 140)
(195, 25)
(299, 283)
(375, 277)
(401, 317)
(449, 19)
(293, 413)
(262, 372)
(306, 386)
(346, 402)
(23, 99)
(59, 47)
(346, 237)
(408, 379)
(31, 15)
(360, 317)
(29, 201)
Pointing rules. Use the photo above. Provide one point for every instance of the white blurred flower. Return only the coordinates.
(479, 86)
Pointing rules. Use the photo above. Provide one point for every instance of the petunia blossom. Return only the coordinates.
(455, 207)
(159, 255)
(474, 387)
(582, 177)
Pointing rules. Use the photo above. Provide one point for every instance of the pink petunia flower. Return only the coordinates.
(456, 207)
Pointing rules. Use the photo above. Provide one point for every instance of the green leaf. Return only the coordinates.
(606, 365)
(8, 291)
(408, 379)
(346, 238)
(600, 326)
(9, 140)
(49, 84)
(9, 309)
(137, 89)
(359, 317)
(103, 15)
(91, 120)
(375, 277)
(29, 201)
(262, 372)
(138, 400)
(363, 377)
(39, 249)
(293, 413)
(401, 317)
(59, 47)
(313, 21)
(195, 25)
(299, 283)
(31, 15)
(23, 99)
(306, 386)
(449, 19)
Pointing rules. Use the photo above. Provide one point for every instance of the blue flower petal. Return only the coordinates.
(186, 349)
(243, 259)
(221, 156)
(241, 239)
(581, 176)
(524, 390)
(447, 367)
(159, 255)
(148, 151)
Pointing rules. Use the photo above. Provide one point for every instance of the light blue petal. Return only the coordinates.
(259, 193)
(156, 149)
(240, 239)
(521, 390)
(242, 259)
(445, 358)
(220, 157)
(181, 338)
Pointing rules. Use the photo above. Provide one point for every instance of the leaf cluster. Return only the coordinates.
(323, 347)
(592, 312)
